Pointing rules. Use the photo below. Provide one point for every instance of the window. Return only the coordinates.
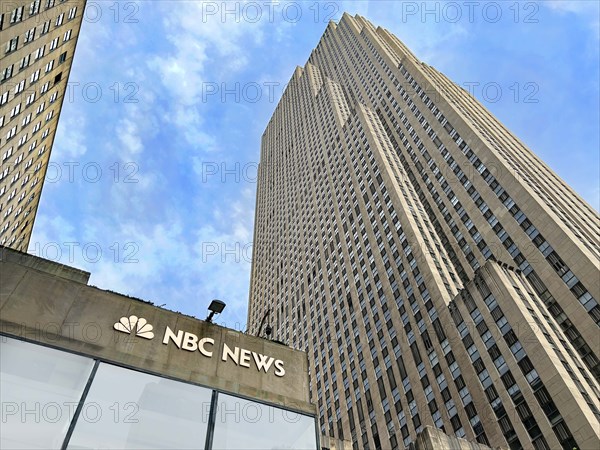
(16, 110)
(4, 173)
(7, 72)
(22, 140)
(505, 425)
(59, 19)
(62, 58)
(7, 154)
(24, 62)
(243, 424)
(40, 52)
(35, 7)
(34, 375)
(17, 14)
(35, 76)
(564, 435)
(523, 411)
(54, 43)
(153, 412)
(29, 35)
(19, 87)
(12, 44)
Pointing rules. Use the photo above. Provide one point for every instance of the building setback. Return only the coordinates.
(437, 272)
(37, 47)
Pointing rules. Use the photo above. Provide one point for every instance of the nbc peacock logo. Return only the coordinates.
(134, 325)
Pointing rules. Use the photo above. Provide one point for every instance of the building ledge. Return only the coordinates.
(10, 255)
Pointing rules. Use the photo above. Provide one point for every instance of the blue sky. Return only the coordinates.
(151, 185)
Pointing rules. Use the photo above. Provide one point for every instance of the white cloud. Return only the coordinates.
(71, 136)
(172, 130)
(187, 70)
(129, 135)
(138, 121)
(168, 262)
(587, 9)
(194, 34)
(52, 233)
(575, 6)
(181, 72)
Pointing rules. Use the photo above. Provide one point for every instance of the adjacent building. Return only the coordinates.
(84, 368)
(37, 44)
(436, 271)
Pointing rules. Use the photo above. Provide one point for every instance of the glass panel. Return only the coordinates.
(130, 409)
(40, 389)
(243, 424)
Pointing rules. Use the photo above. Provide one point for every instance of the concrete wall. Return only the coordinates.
(42, 265)
(48, 303)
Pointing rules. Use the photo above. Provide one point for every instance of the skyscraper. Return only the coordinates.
(435, 269)
(38, 42)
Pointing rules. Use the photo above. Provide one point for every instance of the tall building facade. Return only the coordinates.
(434, 268)
(37, 45)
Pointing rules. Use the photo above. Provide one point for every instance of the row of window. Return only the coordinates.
(583, 295)
(324, 332)
(9, 70)
(17, 14)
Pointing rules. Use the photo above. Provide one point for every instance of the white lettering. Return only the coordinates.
(175, 338)
(201, 346)
(262, 361)
(240, 356)
(280, 371)
(190, 342)
(234, 355)
(245, 358)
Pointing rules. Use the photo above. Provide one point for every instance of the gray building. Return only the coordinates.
(436, 271)
(83, 368)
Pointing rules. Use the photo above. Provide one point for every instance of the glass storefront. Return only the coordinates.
(55, 399)
(40, 389)
(246, 425)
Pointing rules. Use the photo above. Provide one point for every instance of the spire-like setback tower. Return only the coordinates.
(434, 268)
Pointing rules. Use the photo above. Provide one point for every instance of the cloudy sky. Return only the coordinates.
(151, 185)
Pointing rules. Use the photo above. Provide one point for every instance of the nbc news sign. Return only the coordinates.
(184, 340)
